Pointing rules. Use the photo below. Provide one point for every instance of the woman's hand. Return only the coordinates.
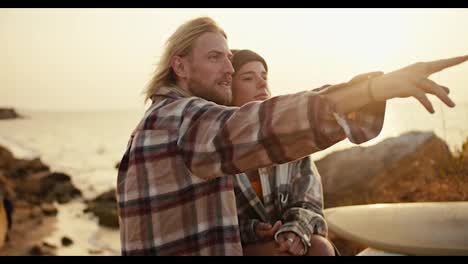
(291, 243)
(266, 231)
(413, 81)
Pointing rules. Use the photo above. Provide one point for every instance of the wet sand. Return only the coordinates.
(32, 229)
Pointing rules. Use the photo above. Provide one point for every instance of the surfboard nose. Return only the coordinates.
(424, 228)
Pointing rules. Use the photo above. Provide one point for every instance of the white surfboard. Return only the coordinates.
(432, 228)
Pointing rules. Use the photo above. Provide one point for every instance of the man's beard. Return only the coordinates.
(209, 93)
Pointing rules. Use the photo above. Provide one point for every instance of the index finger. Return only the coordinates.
(438, 65)
(276, 226)
(263, 226)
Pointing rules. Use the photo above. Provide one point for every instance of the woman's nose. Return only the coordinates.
(261, 83)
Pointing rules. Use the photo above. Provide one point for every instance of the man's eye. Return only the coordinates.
(248, 79)
(213, 57)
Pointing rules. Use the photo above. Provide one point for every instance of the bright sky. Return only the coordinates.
(87, 59)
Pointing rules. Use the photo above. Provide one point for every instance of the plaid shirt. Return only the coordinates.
(175, 186)
(292, 192)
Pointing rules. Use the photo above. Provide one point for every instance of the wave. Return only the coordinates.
(19, 150)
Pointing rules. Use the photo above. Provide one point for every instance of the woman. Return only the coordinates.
(288, 195)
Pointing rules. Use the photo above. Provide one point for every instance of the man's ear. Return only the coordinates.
(179, 67)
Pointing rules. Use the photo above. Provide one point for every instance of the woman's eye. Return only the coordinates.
(248, 79)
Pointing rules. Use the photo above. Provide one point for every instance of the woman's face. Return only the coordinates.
(250, 84)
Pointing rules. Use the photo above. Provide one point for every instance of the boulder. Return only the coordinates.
(7, 160)
(47, 187)
(402, 164)
(22, 168)
(104, 207)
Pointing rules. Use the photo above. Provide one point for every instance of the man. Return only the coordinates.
(175, 181)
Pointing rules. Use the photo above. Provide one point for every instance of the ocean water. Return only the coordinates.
(87, 145)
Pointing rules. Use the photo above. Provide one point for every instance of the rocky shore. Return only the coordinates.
(29, 192)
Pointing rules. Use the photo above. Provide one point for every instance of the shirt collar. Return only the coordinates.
(172, 92)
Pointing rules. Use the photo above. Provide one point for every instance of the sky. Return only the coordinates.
(102, 59)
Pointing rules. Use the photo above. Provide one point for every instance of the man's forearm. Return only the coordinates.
(351, 98)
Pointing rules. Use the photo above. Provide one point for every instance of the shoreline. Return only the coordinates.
(18, 150)
(49, 215)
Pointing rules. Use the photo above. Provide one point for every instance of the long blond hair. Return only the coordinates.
(180, 43)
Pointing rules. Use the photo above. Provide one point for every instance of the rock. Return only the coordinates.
(48, 245)
(43, 249)
(66, 241)
(31, 185)
(107, 216)
(18, 168)
(48, 187)
(7, 160)
(94, 251)
(23, 168)
(405, 163)
(415, 167)
(49, 209)
(58, 186)
(36, 250)
(35, 165)
(104, 207)
(32, 189)
(108, 196)
(35, 212)
(8, 113)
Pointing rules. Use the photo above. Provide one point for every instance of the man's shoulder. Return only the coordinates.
(171, 106)
(167, 112)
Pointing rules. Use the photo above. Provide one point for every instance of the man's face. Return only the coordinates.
(210, 69)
